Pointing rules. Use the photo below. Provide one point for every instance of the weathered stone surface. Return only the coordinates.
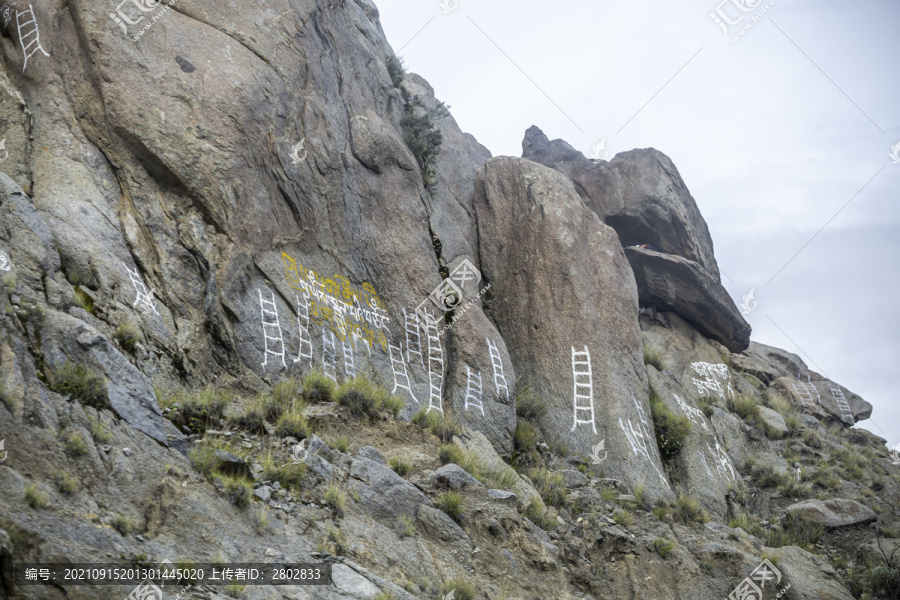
(773, 419)
(232, 465)
(453, 476)
(638, 193)
(836, 512)
(677, 284)
(373, 454)
(383, 493)
(560, 284)
(484, 452)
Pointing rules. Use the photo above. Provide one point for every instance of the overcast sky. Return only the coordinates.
(783, 138)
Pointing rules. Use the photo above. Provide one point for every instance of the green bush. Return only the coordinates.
(99, 431)
(422, 136)
(792, 489)
(671, 429)
(795, 530)
(318, 388)
(706, 404)
(35, 498)
(623, 518)
(128, 336)
(292, 424)
(253, 419)
(200, 410)
(528, 405)
(451, 503)
(74, 444)
(538, 513)
(747, 408)
(767, 477)
(287, 393)
(654, 357)
(361, 397)
(461, 590)
(688, 510)
(82, 384)
(340, 443)
(66, 483)
(746, 522)
(204, 459)
(400, 466)
(450, 453)
(394, 405)
(551, 486)
(664, 547)
(445, 429)
(238, 490)
(123, 524)
(289, 474)
(336, 498)
(82, 299)
(525, 436)
(396, 70)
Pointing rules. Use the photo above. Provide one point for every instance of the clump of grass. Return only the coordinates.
(551, 486)
(361, 397)
(767, 477)
(99, 431)
(200, 410)
(538, 513)
(289, 474)
(688, 510)
(661, 509)
(260, 520)
(335, 540)
(663, 547)
(74, 444)
(528, 405)
(406, 526)
(340, 443)
(654, 357)
(824, 478)
(82, 384)
(792, 489)
(292, 424)
(608, 495)
(450, 453)
(394, 405)
(811, 439)
(253, 419)
(336, 498)
(204, 459)
(127, 336)
(235, 589)
(747, 408)
(35, 498)
(123, 524)
(795, 530)
(460, 588)
(671, 429)
(238, 490)
(396, 70)
(385, 595)
(707, 404)
(287, 392)
(525, 436)
(66, 483)
(318, 388)
(746, 522)
(445, 429)
(452, 504)
(82, 299)
(399, 465)
(623, 517)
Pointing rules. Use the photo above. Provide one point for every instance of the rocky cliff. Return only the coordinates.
(265, 301)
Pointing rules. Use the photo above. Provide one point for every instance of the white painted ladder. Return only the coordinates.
(33, 34)
(329, 354)
(398, 368)
(584, 387)
(497, 364)
(838, 394)
(306, 350)
(270, 324)
(473, 390)
(349, 365)
(805, 389)
(435, 365)
(413, 339)
(144, 298)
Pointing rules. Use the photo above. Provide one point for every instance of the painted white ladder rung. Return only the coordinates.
(473, 390)
(349, 365)
(435, 365)
(305, 350)
(398, 368)
(843, 405)
(582, 402)
(36, 42)
(413, 339)
(274, 325)
(497, 365)
(329, 354)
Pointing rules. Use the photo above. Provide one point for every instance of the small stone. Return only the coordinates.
(271, 552)
(246, 445)
(106, 448)
(264, 493)
(277, 485)
(126, 451)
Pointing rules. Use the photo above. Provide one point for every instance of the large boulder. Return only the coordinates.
(837, 512)
(638, 193)
(676, 284)
(544, 252)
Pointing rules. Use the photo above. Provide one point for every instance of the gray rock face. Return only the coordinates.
(383, 493)
(561, 286)
(673, 283)
(837, 512)
(454, 476)
(373, 454)
(638, 193)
